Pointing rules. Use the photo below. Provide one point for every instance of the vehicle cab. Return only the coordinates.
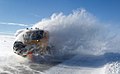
(31, 41)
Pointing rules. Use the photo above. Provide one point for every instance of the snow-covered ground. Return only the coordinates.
(104, 64)
(11, 63)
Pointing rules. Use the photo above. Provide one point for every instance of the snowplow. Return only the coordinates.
(31, 42)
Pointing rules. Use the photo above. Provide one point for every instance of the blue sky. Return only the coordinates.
(17, 14)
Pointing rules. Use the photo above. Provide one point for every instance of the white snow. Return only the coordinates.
(83, 64)
(94, 47)
(78, 32)
(79, 64)
(74, 66)
(11, 63)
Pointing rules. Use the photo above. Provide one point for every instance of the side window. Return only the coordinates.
(33, 36)
(26, 36)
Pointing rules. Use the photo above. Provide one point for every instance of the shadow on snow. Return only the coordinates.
(93, 60)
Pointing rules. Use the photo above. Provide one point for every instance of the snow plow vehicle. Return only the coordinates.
(31, 42)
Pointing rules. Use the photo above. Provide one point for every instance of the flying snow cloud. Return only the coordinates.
(14, 24)
(79, 32)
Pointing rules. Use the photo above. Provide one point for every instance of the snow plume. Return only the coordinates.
(78, 32)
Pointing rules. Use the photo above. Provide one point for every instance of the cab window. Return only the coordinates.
(36, 35)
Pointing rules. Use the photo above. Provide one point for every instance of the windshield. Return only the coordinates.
(34, 35)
